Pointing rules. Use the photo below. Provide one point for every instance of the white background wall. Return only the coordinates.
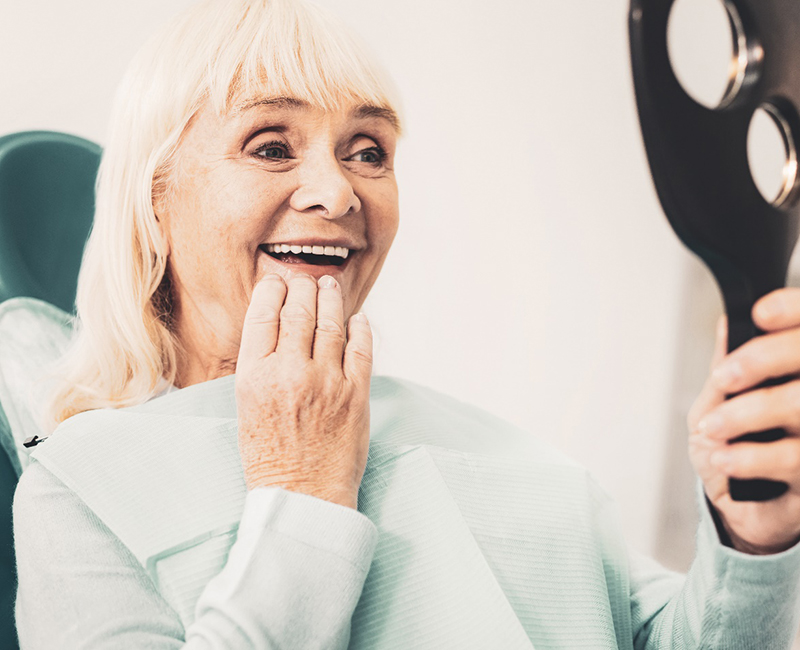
(534, 273)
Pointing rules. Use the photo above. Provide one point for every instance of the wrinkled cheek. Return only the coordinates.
(385, 232)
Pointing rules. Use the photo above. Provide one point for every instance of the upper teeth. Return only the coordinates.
(341, 251)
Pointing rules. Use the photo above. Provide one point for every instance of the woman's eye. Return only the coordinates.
(372, 156)
(273, 150)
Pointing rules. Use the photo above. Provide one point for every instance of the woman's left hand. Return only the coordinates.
(754, 527)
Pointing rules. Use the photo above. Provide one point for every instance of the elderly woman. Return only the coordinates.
(245, 205)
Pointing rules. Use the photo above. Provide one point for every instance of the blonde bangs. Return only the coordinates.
(287, 48)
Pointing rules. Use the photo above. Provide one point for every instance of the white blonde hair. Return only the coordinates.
(217, 51)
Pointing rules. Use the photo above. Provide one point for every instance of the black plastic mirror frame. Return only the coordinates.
(699, 161)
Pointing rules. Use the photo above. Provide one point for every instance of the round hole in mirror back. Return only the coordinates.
(772, 154)
(707, 50)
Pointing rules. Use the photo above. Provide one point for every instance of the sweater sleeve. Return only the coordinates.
(728, 599)
(292, 578)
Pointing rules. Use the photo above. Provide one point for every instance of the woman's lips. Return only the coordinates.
(299, 263)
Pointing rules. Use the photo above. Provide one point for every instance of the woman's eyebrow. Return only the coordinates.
(277, 102)
(369, 110)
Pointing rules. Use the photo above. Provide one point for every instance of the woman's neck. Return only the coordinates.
(207, 351)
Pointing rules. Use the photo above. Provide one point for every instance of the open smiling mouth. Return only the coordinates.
(314, 255)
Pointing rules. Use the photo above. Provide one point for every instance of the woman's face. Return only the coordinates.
(253, 189)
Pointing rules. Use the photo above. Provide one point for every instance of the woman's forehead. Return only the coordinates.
(354, 108)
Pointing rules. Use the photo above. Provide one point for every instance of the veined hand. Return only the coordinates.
(302, 390)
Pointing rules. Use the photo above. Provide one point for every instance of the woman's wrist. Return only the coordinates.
(340, 497)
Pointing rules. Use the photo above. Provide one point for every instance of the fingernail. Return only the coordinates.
(361, 317)
(728, 373)
(710, 424)
(721, 458)
(271, 277)
(327, 282)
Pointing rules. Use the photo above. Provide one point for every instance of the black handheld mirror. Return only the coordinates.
(699, 161)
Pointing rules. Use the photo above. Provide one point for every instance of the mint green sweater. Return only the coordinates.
(134, 530)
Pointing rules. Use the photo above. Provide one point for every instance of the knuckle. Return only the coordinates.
(362, 355)
(747, 362)
(295, 378)
(331, 326)
(296, 387)
(709, 399)
(332, 388)
(694, 415)
(791, 456)
(296, 313)
(263, 314)
(745, 459)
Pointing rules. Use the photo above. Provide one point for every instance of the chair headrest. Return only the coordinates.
(47, 184)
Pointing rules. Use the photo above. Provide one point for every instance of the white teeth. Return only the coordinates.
(340, 251)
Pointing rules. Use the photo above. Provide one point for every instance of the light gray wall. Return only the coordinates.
(534, 273)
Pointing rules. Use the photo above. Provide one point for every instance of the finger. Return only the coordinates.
(778, 310)
(721, 343)
(358, 351)
(262, 320)
(777, 407)
(710, 396)
(298, 317)
(777, 461)
(329, 337)
(770, 355)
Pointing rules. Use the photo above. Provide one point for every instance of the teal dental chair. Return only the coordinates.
(46, 209)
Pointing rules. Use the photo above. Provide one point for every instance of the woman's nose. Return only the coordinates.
(324, 189)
